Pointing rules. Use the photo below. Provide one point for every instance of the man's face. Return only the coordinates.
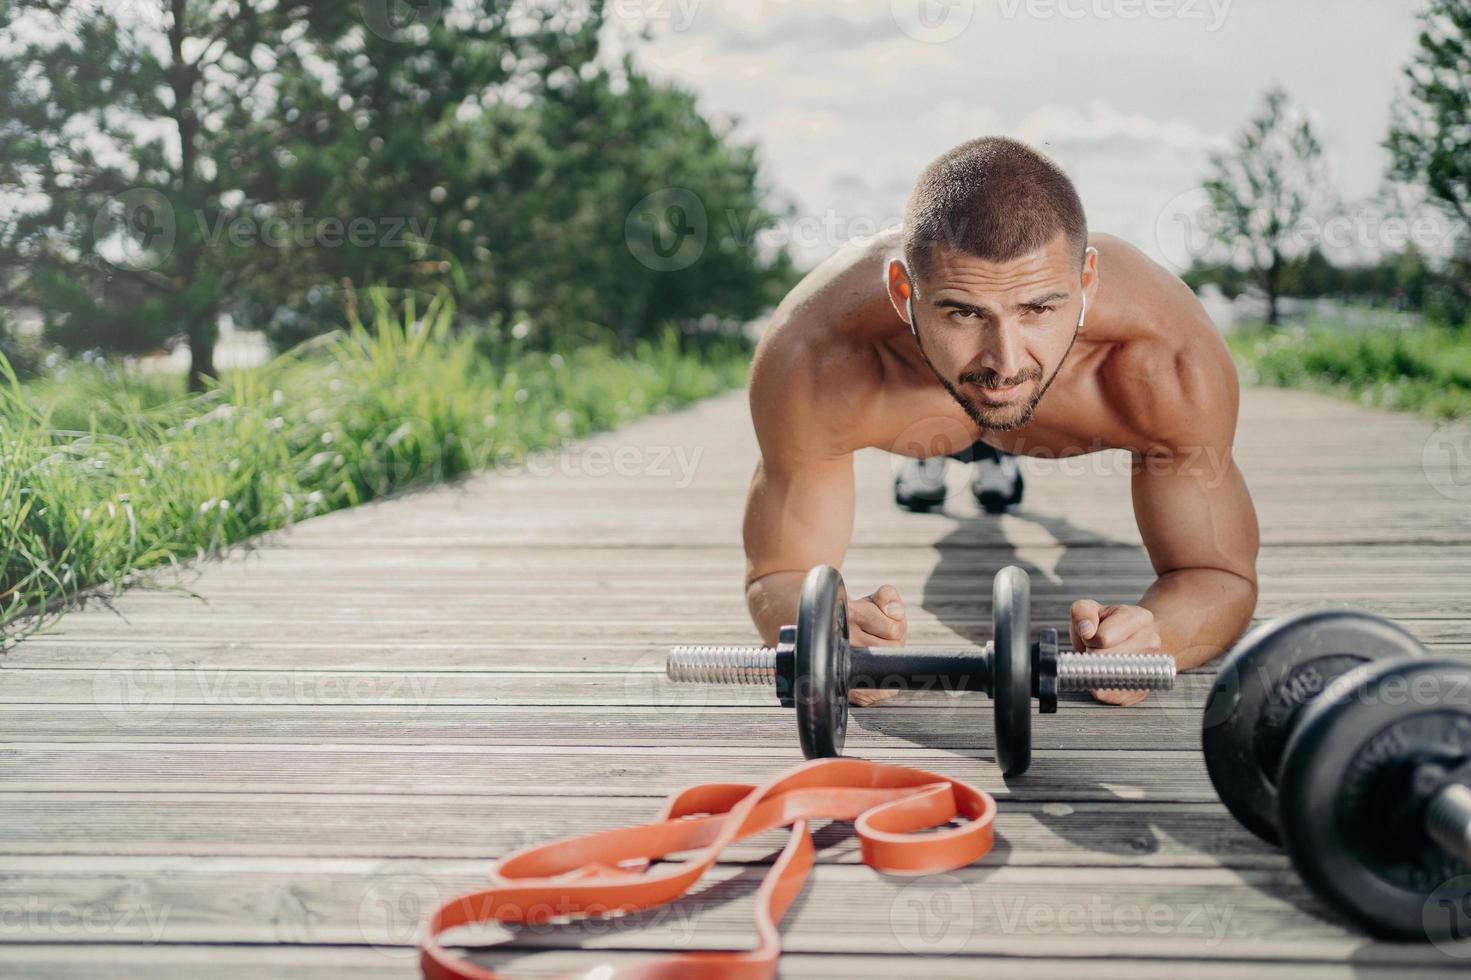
(996, 333)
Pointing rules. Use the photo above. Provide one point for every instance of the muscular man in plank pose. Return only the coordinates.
(994, 319)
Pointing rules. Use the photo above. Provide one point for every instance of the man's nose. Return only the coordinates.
(1002, 353)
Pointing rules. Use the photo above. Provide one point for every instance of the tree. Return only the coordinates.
(177, 160)
(559, 202)
(1430, 143)
(1264, 189)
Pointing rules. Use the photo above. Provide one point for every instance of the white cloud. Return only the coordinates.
(847, 108)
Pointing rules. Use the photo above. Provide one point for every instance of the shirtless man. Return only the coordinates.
(994, 317)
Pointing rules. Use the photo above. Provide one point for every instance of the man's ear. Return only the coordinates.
(901, 290)
(1089, 281)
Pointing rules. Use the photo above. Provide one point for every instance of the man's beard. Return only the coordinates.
(1001, 418)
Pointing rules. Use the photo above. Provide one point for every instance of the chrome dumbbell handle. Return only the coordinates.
(756, 666)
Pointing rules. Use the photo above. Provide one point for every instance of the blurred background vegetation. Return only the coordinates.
(174, 166)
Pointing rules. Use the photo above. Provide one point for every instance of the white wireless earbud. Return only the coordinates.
(1083, 312)
(909, 305)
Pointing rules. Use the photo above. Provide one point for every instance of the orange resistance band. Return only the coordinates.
(602, 873)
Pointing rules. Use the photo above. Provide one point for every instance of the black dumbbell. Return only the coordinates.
(813, 667)
(1333, 734)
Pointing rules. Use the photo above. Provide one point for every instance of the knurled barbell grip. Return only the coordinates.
(937, 668)
(1448, 820)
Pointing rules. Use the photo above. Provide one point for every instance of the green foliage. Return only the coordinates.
(185, 161)
(108, 474)
(1430, 141)
(1425, 370)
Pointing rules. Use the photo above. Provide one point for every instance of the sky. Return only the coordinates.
(847, 100)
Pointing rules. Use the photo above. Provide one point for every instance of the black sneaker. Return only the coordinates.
(997, 484)
(920, 485)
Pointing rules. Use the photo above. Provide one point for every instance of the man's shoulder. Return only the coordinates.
(811, 384)
(1173, 391)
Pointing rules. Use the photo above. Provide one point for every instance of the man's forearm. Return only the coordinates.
(772, 600)
(1200, 612)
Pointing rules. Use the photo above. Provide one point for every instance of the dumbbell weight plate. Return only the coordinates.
(1347, 767)
(1011, 675)
(820, 662)
(1260, 691)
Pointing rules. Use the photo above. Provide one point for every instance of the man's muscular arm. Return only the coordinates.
(1192, 507)
(799, 511)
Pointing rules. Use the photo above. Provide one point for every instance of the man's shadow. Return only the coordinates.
(1076, 799)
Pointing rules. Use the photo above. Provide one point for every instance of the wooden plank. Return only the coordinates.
(299, 962)
(966, 725)
(133, 696)
(1011, 911)
(1132, 834)
(540, 770)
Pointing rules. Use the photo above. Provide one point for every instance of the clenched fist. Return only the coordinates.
(1098, 628)
(876, 620)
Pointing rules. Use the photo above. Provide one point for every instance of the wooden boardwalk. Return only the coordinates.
(276, 776)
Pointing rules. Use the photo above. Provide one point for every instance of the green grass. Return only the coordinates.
(106, 474)
(1426, 369)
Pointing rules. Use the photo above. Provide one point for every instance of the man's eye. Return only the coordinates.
(963, 314)
(1039, 310)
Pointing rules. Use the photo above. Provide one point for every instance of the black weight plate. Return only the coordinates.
(821, 660)
(1349, 762)
(1261, 688)
(1011, 669)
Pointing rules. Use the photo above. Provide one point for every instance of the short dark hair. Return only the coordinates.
(995, 198)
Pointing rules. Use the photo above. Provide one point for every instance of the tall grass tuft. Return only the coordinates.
(106, 474)
(1424, 369)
